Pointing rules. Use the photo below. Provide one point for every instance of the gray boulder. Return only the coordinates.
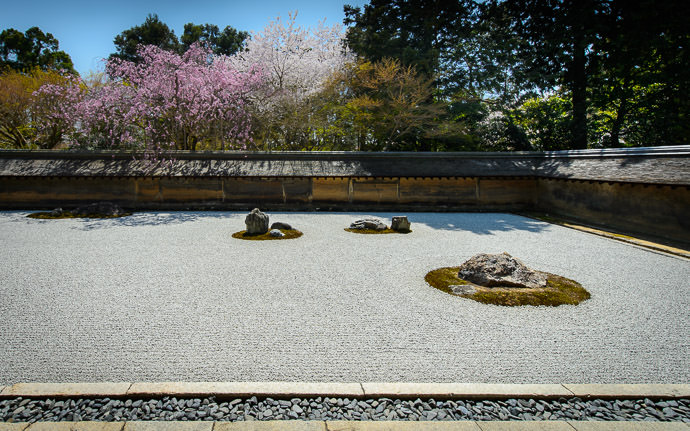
(257, 222)
(368, 223)
(276, 233)
(491, 270)
(281, 225)
(400, 224)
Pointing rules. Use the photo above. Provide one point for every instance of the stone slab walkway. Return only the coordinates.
(347, 426)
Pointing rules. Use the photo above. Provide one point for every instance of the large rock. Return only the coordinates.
(257, 222)
(368, 223)
(491, 270)
(400, 224)
(99, 209)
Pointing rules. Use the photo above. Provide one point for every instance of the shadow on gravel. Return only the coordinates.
(147, 219)
(479, 223)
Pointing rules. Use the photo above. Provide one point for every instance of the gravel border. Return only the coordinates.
(329, 408)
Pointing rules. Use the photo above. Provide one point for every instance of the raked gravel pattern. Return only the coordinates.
(173, 297)
(326, 408)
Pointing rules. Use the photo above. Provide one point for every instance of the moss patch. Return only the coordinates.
(289, 234)
(558, 291)
(374, 231)
(67, 214)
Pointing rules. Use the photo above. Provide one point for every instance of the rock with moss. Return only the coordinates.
(257, 222)
(368, 223)
(98, 209)
(490, 270)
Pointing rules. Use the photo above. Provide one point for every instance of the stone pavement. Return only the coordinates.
(346, 426)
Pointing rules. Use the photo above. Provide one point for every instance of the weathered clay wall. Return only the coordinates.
(335, 193)
(661, 211)
(641, 191)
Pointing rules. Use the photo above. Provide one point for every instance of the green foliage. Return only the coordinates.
(386, 106)
(152, 32)
(411, 31)
(22, 117)
(227, 42)
(32, 49)
(546, 122)
(155, 32)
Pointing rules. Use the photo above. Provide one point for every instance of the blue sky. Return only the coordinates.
(86, 29)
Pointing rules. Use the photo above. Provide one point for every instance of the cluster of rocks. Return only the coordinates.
(257, 224)
(326, 408)
(399, 224)
(98, 209)
(491, 270)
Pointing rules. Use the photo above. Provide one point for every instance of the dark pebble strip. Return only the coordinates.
(326, 408)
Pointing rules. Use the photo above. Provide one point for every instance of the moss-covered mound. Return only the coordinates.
(374, 231)
(289, 234)
(558, 291)
(50, 215)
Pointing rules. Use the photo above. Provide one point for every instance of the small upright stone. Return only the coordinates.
(276, 233)
(400, 224)
(369, 223)
(257, 222)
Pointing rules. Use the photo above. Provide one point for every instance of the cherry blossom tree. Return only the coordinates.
(165, 101)
(297, 63)
(181, 100)
(54, 110)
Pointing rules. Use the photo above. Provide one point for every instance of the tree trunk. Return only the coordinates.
(578, 77)
(621, 112)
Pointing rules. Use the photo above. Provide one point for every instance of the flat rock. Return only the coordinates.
(281, 225)
(462, 289)
(368, 223)
(257, 222)
(492, 270)
(276, 233)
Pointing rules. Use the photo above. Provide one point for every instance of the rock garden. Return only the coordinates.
(501, 279)
(498, 279)
(400, 224)
(258, 228)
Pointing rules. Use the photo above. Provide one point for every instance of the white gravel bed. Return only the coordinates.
(172, 297)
